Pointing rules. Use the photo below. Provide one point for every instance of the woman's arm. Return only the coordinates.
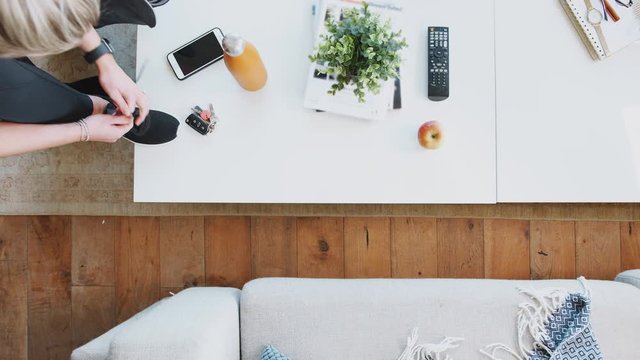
(23, 138)
(90, 41)
(120, 88)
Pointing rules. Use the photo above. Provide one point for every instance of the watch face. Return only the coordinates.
(595, 17)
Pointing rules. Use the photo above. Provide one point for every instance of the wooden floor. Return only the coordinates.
(65, 280)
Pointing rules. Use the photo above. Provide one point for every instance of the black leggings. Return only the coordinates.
(30, 95)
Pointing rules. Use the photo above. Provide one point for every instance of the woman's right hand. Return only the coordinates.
(108, 128)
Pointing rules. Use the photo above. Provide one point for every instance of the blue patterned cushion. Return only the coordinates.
(271, 353)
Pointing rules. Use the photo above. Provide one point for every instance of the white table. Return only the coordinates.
(269, 149)
(568, 128)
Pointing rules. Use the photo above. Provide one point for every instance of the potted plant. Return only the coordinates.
(361, 51)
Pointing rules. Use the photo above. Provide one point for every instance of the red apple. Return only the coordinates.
(430, 135)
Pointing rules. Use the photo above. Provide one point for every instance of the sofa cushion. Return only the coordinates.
(369, 319)
(631, 277)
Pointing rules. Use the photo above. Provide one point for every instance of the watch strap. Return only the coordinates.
(602, 38)
(598, 28)
(589, 5)
(102, 49)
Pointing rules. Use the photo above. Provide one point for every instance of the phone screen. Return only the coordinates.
(199, 53)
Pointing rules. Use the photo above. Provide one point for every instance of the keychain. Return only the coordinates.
(202, 121)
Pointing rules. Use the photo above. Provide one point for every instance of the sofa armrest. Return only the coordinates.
(98, 348)
(631, 277)
(195, 324)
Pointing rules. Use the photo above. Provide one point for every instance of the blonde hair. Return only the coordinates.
(44, 27)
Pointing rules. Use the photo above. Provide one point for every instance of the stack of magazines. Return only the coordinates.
(345, 102)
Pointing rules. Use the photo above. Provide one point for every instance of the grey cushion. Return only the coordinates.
(370, 319)
(631, 277)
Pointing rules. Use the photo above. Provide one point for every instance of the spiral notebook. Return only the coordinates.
(618, 35)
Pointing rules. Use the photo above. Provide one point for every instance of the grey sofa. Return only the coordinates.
(318, 319)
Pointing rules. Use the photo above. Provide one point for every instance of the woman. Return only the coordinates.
(39, 112)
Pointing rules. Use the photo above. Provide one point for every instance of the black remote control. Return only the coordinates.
(438, 59)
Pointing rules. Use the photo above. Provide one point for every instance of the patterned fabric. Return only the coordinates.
(271, 353)
(568, 333)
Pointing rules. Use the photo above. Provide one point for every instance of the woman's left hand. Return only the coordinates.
(121, 89)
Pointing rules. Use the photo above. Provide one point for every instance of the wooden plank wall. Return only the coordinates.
(65, 280)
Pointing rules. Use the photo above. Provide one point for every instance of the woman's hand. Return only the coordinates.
(108, 128)
(121, 89)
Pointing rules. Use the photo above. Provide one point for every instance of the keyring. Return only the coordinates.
(202, 121)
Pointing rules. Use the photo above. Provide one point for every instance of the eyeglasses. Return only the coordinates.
(626, 4)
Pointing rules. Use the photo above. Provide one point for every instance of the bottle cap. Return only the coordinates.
(233, 44)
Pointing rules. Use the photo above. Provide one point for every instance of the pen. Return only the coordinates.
(611, 11)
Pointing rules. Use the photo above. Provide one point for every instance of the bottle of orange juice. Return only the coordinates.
(244, 62)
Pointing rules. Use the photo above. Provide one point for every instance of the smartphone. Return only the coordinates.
(197, 54)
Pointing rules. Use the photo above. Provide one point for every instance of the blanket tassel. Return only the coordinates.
(532, 321)
(415, 351)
